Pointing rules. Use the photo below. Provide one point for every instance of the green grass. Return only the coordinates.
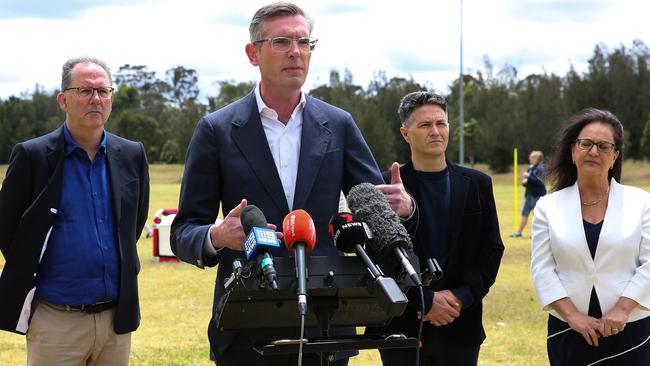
(176, 298)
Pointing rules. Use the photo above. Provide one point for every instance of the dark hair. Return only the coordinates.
(66, 73)
(413, 100)
(561, 171)
(279, 9)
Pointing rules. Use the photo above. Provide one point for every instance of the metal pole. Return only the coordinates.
(461, 91)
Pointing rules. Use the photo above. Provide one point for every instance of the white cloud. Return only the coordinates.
(404, 38)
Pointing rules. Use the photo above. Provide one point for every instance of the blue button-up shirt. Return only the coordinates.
(81, 263)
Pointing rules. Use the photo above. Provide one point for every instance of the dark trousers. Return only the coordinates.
(435, 351)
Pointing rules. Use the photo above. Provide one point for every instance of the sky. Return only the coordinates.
(403, 38)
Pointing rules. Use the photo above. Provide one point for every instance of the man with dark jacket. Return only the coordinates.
(74, 202)
(458, 226)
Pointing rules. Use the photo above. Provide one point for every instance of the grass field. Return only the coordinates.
(176, 299)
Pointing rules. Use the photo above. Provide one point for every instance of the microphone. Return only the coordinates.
(391, 238)
(259, 241)
(349, 235)
(300, 237)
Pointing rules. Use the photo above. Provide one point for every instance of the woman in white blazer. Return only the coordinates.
(590, 258)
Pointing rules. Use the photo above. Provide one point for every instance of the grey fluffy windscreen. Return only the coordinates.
(370, 206)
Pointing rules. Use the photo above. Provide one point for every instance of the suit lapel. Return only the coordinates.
(315, 139)
(248, 134)
(115, 165)
(55, 150)
(459, 185)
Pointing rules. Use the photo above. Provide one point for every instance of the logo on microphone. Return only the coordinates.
(259, 236)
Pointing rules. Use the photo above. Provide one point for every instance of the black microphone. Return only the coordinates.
(259, 241)
(391, 238)
(349, 236)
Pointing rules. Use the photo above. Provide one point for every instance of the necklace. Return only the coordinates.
(598, 200)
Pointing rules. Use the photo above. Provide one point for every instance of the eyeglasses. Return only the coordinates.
(283, 44)
(86, 92)
(587, 144)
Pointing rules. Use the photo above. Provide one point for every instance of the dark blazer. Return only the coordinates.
(475, 250)
(29, 201)
(229, 159)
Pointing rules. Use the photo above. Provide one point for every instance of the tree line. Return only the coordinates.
(502, 110)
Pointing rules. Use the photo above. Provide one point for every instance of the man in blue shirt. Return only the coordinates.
(74, 203)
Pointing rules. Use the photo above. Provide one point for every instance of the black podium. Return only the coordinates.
(340, 293)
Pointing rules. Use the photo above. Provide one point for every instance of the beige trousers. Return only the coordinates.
(73, 338)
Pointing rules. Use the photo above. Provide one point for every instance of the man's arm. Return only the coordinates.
(482, 274)
(143, 200)
(199, 199)
(15, 196)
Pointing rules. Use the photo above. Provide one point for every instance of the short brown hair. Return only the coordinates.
(279, 9)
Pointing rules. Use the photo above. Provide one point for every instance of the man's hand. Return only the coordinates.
(452, 300)
(229, 233)
(442, 312)
(398, 199)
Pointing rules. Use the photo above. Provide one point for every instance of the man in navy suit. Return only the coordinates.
(458, 226)
(278, 149)
(74, 202)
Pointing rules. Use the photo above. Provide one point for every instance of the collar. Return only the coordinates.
(266, 111)
(70, 145)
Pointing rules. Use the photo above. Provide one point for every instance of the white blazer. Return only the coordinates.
(561, 263)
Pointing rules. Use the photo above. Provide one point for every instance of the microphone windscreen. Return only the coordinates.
(298, 227)
(347, 232)
(252, 216)
(370, 206)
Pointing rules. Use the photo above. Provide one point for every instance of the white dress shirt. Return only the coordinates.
(284, 142)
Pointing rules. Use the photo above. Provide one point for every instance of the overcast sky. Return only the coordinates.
(418, 38)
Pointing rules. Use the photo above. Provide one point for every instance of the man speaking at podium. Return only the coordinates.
(278, 149)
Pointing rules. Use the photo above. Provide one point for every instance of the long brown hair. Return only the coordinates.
(561, 171)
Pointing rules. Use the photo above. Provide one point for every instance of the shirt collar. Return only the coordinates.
(266, 111)
(71, 145)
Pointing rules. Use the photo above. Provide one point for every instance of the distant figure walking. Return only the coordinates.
(535, 188)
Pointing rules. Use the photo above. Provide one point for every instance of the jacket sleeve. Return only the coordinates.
(199, 199)
(15, 196)
(143, 200)
(637, 289)
(490, 247)
(548, 286)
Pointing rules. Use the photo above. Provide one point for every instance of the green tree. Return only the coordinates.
(229, 91)
(645, 140)
(183, 85)
(139, 127)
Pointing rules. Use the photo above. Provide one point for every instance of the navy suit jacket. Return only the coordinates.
(29, 201)
(229, 159)
(475, 251)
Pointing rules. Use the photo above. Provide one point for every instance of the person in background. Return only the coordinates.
(457, 226)
(280, 150)
(590, 259)
(535, 188)
(74, 202)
